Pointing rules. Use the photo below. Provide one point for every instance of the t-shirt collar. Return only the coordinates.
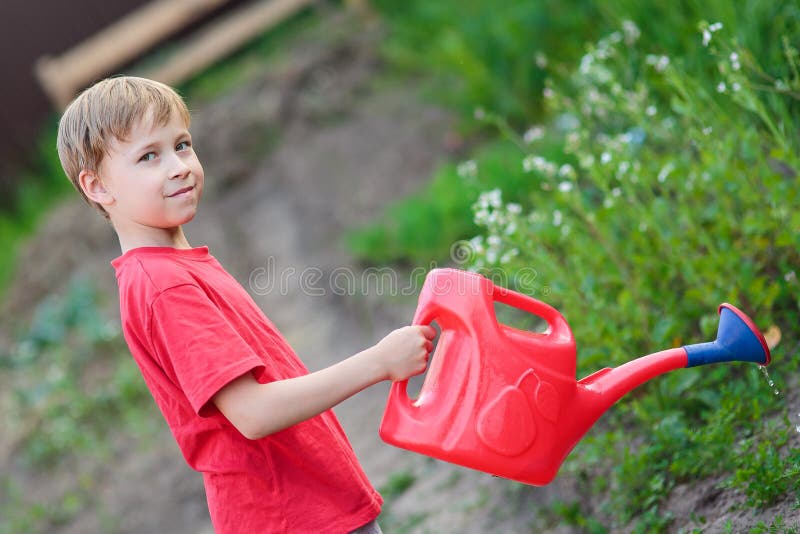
(197, 253)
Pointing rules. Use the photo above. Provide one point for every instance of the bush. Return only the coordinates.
(648, 218)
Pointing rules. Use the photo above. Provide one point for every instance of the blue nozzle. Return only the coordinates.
(738, 339)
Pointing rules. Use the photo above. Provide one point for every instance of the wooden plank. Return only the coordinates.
(61, 77)
(223, 37)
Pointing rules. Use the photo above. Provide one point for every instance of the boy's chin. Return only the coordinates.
(188, 218)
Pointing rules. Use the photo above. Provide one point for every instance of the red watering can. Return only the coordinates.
(506, 401)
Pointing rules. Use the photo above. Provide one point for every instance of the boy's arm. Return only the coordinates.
(258, 410)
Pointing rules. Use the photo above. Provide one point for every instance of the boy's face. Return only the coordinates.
(154, 178)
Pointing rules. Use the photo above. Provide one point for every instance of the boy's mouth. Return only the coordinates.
(181, 191)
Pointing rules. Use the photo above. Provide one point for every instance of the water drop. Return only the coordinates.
(770, 381)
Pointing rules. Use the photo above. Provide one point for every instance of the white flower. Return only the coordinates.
(538, 163)
(664, 172)
(734, 57)
(660, 63)
(548, 93)
(707, 130)
(494, 198)
(565, 187)
(505, 258)
(494, 241)
(533, 133)
(527, 163)
(605, 157)
(616, 192)
(476, 244)
(513, 208)
(735, 87)
(650, 111)
(710, 30)
(557, 218)
(721, 87)
(566, 171)
(467, 168)
(541, 60)
(632, 32)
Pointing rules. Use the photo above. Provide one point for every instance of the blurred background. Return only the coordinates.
(634, 164)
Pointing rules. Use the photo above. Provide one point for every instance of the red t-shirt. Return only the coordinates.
(192, 329)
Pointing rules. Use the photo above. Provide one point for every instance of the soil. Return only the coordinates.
(296, 155)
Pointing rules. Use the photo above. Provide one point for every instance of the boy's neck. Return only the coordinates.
(157, 237)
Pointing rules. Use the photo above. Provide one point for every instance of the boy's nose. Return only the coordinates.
(179, 173)
(179, 169)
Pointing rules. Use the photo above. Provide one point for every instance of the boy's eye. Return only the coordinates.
(183, 145)
(148, 157)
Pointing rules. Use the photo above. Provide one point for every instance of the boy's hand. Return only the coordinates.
(404, 352)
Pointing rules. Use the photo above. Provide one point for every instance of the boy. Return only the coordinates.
(244, 410)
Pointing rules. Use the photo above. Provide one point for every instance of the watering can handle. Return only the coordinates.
(557, 325)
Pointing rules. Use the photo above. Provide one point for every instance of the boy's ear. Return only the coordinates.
(94, 188)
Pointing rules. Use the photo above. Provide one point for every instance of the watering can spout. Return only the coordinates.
(738, 339)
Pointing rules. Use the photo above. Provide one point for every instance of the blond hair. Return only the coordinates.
(107, 111)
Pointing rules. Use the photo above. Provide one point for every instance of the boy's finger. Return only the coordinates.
(428, 331)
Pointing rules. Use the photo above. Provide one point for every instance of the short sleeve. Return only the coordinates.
(198, 347)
